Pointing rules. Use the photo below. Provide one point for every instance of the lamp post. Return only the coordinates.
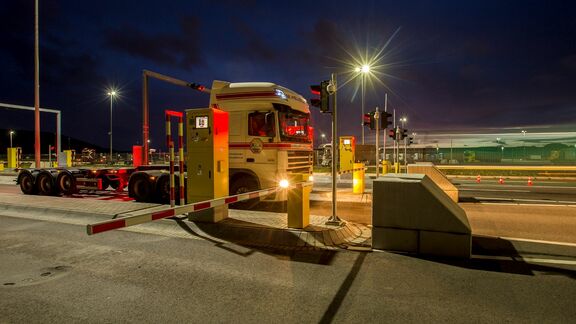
(111, 93)
(403, 120)
(364, 69)
(11, 134)
(323, 137)
(524, 143)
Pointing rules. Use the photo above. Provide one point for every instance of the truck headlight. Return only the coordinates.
(311, 178)
(284, 183)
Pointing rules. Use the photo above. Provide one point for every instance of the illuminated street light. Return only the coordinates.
(323, 137)
(364, 69)
(11, 134)
(112, 93)
(524, 142)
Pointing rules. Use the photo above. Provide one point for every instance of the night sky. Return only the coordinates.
(447, 65)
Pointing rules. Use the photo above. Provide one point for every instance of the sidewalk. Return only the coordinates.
(244, 227)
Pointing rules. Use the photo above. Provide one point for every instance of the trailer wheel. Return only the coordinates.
(45, 184)
(140, 188)
(66, 183)
(243, 184)
(163, 189)
(27, 184)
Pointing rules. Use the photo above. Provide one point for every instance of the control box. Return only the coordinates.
(207, 160)
(347, 150)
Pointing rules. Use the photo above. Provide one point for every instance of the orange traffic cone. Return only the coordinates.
(478, 179)
(529, 181)
(501, 180)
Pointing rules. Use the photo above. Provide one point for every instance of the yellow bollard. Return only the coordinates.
(385, 167)
(396, 167)
(68, 154)
(358, 178)
(299, 202)
(12, 157)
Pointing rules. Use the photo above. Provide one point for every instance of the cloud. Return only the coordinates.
(181, 49)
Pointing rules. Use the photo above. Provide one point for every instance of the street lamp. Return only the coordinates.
(502, 158)
(111, 93)
(323, 137)
(11, 134)
(524, 142)
(364, 69)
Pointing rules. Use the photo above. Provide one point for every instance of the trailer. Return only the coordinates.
(270, 139)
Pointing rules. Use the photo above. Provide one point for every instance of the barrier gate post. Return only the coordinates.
(207, 160)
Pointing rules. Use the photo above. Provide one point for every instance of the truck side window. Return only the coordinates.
(259, 124)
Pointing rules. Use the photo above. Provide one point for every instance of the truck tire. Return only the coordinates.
(162, 189)
(141, 187)
(66, 182)
(46, 184)
(27, 185)
(243, 184)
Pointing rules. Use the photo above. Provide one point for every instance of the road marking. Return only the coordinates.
(524, 259)
(512, 186)
(519, 239)
(504, 190)
(546, 202)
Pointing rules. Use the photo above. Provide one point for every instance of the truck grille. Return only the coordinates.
(300, 161)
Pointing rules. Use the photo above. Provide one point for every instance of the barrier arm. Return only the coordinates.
(173, 211)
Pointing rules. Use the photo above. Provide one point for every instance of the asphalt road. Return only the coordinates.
(54, 272)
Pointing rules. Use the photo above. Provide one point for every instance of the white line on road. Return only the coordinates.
(519, 239)
(545, 202)
(524, 259)
(503, 190)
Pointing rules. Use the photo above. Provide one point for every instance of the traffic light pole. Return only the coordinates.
(377, 122)
(334, 219)
(385, 128)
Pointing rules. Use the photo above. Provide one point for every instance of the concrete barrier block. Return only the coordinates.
(411, 213)
(395, 239)
(437, 176)
(413, 201)
(445, 244)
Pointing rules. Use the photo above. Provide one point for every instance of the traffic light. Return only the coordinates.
(369, 120)
(196, 86)
(410, 140)
(385, 120)
(392, 133)
(322, 90)
(403, 133)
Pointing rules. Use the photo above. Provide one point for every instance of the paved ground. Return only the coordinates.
(54, 272)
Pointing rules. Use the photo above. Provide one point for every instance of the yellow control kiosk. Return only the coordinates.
(347, 151)
(207, 160)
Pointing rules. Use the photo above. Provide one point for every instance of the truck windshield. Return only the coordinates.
(294, 126)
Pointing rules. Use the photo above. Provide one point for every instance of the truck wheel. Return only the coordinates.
(45, 184)
(27, 184)
(163, 189)
(244, 184)
(140, 188)
(66, 183)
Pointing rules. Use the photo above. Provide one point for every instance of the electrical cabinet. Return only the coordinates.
(207, 160)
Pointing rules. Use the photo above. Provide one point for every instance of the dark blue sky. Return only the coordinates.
(452, 65)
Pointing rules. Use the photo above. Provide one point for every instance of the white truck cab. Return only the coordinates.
(270, 134)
